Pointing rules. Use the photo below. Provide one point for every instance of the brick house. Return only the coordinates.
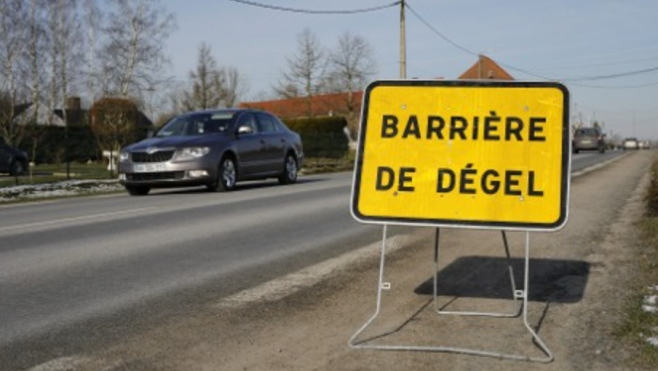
(485, 69)
(332, 104)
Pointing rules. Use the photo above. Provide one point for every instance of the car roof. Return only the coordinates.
(224, 110)
(587, 130)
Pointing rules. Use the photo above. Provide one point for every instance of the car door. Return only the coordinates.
(275, 143)
(249, 145)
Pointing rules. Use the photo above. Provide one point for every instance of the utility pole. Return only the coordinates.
(403, 44)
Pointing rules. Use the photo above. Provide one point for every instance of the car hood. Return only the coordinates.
(175, 142)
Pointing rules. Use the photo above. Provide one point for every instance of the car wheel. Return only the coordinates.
(137, 191)
(228, 175)
(16, 168)
(289, 174)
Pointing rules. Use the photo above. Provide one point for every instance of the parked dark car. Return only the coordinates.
(12, 160)
(588, 139)
(213, 148)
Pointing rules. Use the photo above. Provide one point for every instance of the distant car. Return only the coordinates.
(12, 160)
(630, 143)
(214, 148)
(588, 139)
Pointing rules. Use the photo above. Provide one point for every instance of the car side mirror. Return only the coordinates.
(149, 133)
(245, 129)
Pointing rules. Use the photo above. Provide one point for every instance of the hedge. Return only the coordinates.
(322, 137)
(57, 144)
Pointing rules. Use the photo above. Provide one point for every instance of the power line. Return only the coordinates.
(569, 80)
(313, 11)
(615, 87)
(572, 81)
(613, 76)
(444, 37)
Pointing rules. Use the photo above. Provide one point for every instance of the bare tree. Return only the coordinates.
(115, 123)
(305, 73)
(93, 18)
(66, 58)
(212, 85)
(236, 86)
(208, 81)
(133, 51)
(35, 54)
(350, 66)
(13, 37)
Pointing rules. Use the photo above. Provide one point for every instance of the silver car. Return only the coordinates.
(630, 143)
(214, 148)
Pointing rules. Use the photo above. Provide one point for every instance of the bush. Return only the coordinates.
(56, 144)
(322, 137)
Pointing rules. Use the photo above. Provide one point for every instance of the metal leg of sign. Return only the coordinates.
(364, 344)
(526, 288)
(516, 294)
(380, 286)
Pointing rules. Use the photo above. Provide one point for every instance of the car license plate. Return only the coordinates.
(150, 168)
(586, 141)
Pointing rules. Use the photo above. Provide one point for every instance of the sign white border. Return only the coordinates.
(479, 224)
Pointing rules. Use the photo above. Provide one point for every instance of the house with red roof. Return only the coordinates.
(485, 69)
(331, 104)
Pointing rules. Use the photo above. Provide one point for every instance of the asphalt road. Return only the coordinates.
(78, 273)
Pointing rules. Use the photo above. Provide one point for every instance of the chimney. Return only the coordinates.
(73, 104)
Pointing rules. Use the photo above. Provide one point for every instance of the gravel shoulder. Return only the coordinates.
(579, 282)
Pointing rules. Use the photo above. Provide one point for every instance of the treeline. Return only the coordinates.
(53, 50)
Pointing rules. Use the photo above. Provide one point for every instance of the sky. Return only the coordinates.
(604, 51)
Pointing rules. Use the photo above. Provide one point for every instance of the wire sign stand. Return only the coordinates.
(463, 154)
(517, 294)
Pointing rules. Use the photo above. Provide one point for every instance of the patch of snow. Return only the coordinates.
(649, 303)
(650, 308)
(653, 341)
(58, 189)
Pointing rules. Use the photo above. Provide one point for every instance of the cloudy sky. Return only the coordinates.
(605, 51)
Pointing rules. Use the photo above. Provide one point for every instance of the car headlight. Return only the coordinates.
(191, 153)
(124, 156)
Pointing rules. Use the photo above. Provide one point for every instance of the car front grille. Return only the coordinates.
(160, 156)
(168, 175)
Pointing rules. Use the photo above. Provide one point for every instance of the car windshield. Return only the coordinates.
(196, 124)
(588, 132)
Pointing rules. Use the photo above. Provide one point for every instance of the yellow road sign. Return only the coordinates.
(463, 153)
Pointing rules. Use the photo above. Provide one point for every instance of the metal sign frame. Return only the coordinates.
(354, 343)
(414, 220)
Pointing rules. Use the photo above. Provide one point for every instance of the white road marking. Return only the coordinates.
(77, 218)
(307, 277)
(60, 364)
(73, 363)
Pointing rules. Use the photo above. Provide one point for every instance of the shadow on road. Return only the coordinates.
(551, 280)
